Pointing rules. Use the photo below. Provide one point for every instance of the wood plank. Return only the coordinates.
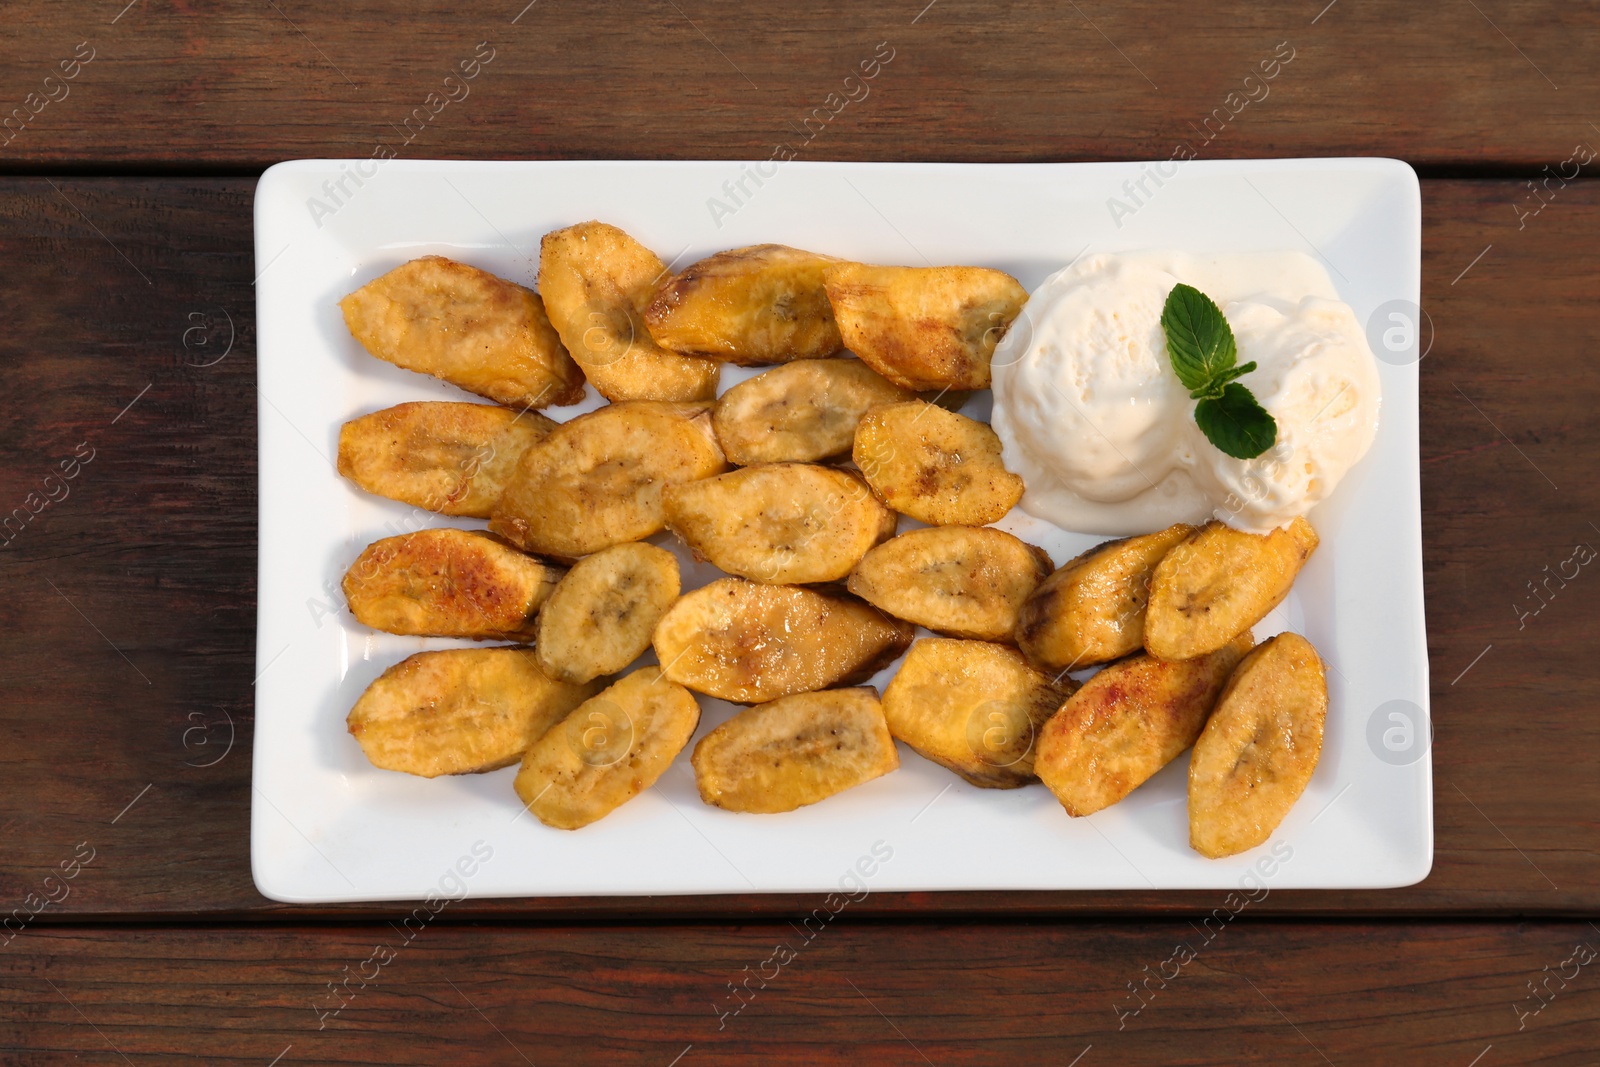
(1496, 83)
(1138, 993)
(127, 607)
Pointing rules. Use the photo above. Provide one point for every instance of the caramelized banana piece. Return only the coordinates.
(442, 456)
(601, 615)
(611, 748)
(782, 522)
(924, 327)
(795, 751)
(1218, 582)
(448, 583)
(482, 333)
(938, 467)
(459, 711)
(802, 411)
(966, 581)
(1257, 754)
(749, 643)
(1092, 610)
(974, 708)
(1127, 722)
(596, 281)
(596, 481)
(762, 304)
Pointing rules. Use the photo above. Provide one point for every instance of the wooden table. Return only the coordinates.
(127, 168)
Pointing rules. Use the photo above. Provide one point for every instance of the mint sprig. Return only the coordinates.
(1203, 352)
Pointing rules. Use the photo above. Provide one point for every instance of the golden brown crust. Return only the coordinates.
(607, 750)
(800, 412)
(453, 458)
(596, 281)
(795, 751)
(1127, 722)
(1092, 609)
(597, 480)
(973, 707)
(934, 465)
(448, 583)
(1219, 582)
(965, 581)
(482, 333)
(750, 643)
(787, 523)
(761, 304)
(924, 327)
(602, 614)
(1258, 752)
(459, 711)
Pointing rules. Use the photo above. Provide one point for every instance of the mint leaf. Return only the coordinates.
(1236, 422)
(1203, 352)
(1199, 341)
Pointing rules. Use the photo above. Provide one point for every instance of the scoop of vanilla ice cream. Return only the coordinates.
(1316, 376)
(1090, 413)
(1086, 363)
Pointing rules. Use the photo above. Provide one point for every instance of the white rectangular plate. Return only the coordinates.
(326, 826)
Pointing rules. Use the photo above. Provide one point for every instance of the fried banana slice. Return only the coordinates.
(789, 523)
(596, 481)
(611, 748)
(795, 751)
(482, 333)
(800, 412)
(965, 581)
(924, 327)
(1256, 755)
(602, 614)
(448, 583)
(761, 304)
(596, 281)
(439, 455)
(1218, 582)
(1128, 722)
(459, 711)
(750, 643)
(973, 707)
(1092, 609)
(938, 467)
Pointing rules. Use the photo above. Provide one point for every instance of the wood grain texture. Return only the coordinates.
(1440, 995)
(204, 83)
(127, 607)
